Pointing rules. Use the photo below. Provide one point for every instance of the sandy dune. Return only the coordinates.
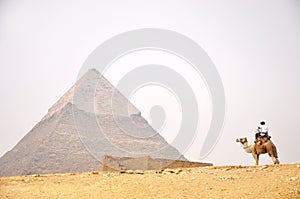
(270, 181)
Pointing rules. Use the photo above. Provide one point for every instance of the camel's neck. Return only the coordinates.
(246, 147)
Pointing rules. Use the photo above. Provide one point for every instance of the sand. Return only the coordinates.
(269, 181)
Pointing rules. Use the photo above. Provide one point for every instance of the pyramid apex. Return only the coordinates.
(90, 94)
(92, 70)
(89, 72)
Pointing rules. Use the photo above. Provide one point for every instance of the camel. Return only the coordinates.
(260, 147)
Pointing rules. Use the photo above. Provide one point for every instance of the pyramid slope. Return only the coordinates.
(52, 146)
(68, 138)
(15, 161)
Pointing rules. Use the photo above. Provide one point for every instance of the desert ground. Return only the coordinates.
(268, 181)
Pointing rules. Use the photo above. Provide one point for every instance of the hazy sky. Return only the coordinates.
(254, 44)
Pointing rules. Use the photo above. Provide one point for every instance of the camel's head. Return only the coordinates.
(242, 140)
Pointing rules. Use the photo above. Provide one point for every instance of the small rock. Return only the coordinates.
(150, 187)
(95, 172)
(168, 171)
(293, 179)
(26, 180)
(193, 178)
(223, 189)
(226, 169)
(139, 172)
(107, 174)
(298, 166)
(129, 171)
(177, 171)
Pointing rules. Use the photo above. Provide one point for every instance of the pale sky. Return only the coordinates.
(254, 44)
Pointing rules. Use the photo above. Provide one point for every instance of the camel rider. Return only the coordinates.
(262, 130)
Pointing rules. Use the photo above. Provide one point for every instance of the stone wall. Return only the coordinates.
(110, 163)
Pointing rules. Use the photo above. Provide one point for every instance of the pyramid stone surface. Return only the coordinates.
(91, 120)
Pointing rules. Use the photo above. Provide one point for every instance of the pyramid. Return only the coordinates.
(89, 121)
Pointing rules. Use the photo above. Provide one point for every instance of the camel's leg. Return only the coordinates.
(273, 153)
(275, 160)
(256, 157)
